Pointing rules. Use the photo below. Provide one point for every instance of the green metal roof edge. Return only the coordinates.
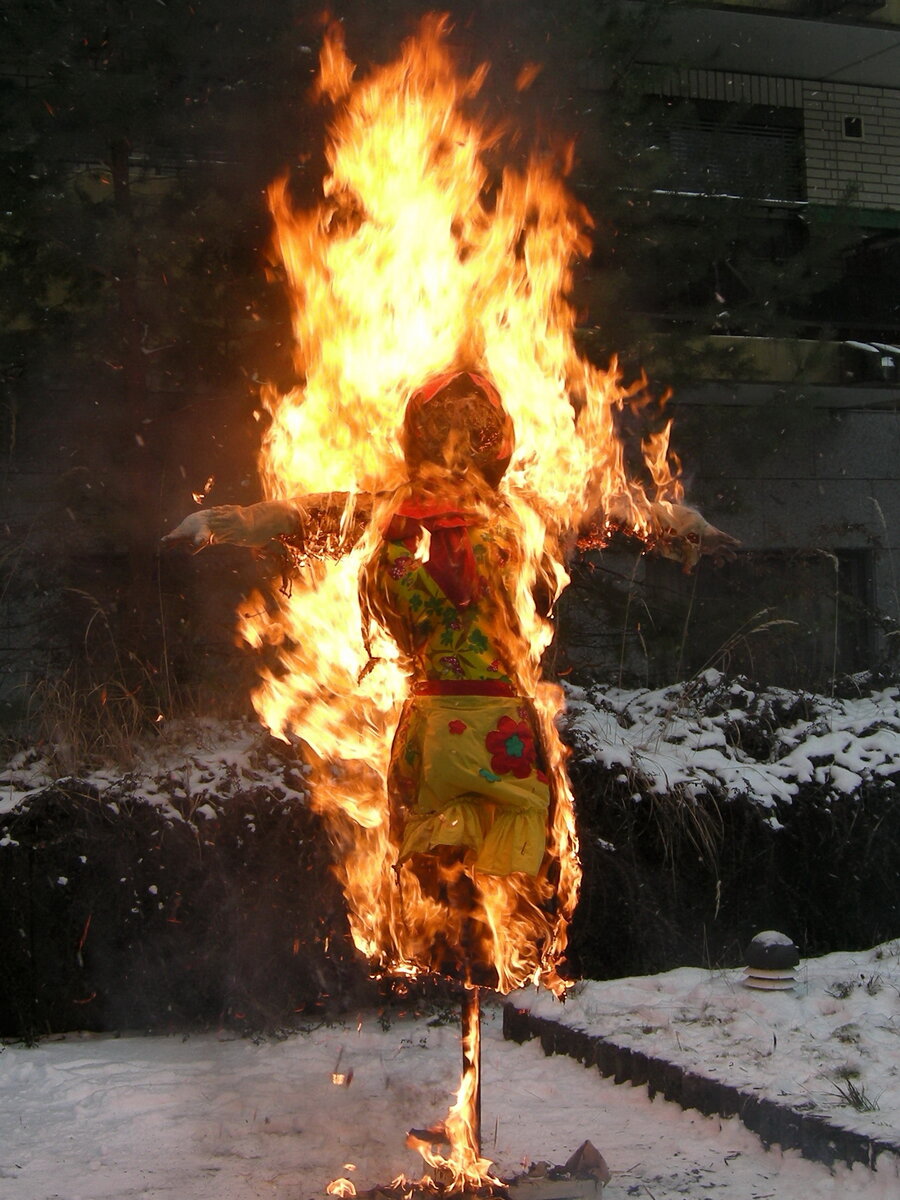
(872, 218)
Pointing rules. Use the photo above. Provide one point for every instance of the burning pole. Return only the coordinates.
(471, 1060)
(453, 1148)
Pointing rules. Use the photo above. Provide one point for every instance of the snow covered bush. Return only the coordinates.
(713, 809)
(195, 888)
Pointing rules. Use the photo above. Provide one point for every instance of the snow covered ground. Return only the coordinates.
(207, 1117)
(830, 1046)
(187, 770)
(711, 735)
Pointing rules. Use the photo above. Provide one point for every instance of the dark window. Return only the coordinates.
(853, 127)
(718, 148)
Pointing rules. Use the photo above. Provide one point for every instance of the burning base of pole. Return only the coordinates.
(582, 1177)
(452, 1149)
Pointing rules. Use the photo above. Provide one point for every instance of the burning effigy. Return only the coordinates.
(442, 454)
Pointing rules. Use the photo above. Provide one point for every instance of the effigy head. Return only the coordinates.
(457, 420)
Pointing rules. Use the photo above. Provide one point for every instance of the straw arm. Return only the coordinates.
(303, 522)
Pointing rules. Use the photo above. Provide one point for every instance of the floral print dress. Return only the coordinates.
(467, 767)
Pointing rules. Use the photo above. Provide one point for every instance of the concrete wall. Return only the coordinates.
(811, 489)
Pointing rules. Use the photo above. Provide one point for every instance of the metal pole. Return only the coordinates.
(471, 1049)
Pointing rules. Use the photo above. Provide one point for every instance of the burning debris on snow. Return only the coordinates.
(584, 1175)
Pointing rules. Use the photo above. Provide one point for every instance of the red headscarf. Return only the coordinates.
(480, 384)
(451, 561)
(437, 383)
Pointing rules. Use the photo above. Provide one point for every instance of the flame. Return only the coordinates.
(341, 1187)
(200, 496)
(464, 1167)
(419, 258)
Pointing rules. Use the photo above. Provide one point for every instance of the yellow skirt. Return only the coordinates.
(469, 771)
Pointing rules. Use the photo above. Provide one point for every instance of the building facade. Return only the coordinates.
(790, 113)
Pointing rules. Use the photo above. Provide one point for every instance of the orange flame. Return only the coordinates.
(412, 261)
(465, 1166)
(341, 1187)
(416, 260)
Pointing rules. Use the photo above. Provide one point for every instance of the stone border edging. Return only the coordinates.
(775, 1124)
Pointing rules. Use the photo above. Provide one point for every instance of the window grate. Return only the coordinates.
(763, 162)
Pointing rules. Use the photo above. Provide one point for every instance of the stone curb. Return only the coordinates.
(774, 1123)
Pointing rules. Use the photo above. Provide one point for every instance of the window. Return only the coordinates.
(853, 127)
(719, 148)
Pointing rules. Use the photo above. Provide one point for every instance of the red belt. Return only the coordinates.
(463, 687)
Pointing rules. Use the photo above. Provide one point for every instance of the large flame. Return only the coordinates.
(417, 259)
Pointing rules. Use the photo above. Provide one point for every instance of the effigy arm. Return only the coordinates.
(684, 534)
(323, 524)
(672, 530)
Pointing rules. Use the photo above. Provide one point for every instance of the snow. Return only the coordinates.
(840, 1025)
(772, 937)
(190, 769)
(685, 740)
(217, 1117)
(688, 739)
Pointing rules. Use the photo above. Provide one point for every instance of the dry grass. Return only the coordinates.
(96, 710)
(853, 1095)
(88, 725)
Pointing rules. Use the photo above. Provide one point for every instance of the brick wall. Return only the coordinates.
(864, 171)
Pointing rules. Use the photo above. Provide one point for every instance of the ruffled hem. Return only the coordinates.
(511, 841)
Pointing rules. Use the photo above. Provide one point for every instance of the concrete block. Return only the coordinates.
(858, 446)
